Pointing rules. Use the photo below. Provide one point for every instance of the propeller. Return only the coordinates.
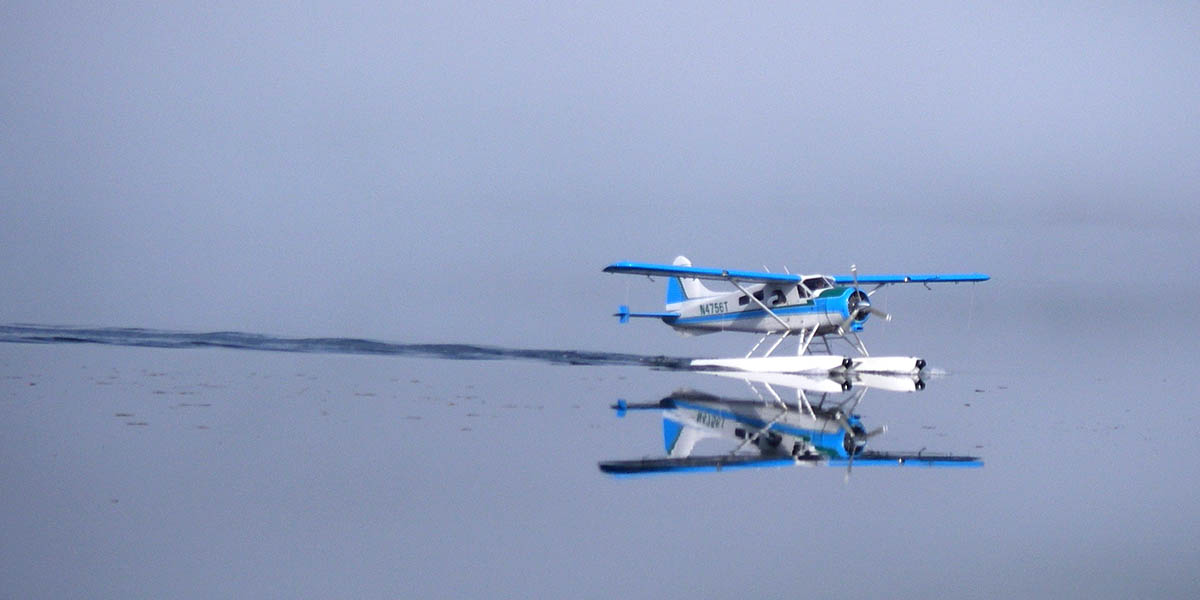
(856, 435)
(857, 304)
(853, 437)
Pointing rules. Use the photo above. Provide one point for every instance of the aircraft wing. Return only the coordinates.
(636, 268)
(914, 278)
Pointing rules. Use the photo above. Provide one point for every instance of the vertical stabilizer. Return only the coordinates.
(680, 289)
(679, 439)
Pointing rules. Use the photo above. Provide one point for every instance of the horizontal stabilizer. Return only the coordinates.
(622, 406)
(624, 314)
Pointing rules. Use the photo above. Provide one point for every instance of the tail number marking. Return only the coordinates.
(709, 420)
(714, 308)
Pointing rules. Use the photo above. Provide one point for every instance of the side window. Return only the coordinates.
(777, 297)
(759, 295)
(803, 291)
(744, 300)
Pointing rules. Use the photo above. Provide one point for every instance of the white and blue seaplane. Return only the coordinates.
(813, 307)
(767, 435)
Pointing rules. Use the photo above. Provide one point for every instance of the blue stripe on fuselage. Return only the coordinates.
(819, 305)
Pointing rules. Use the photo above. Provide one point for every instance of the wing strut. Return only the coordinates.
(760, 341)
(805, 340)
(752, 438)
(778, 342)
(778, 400)
(760, 305)
(857, 343)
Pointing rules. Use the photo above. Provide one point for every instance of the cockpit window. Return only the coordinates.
(803, 292)
(816, 283)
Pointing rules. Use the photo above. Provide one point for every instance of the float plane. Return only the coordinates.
(814, 307)
(768, 435)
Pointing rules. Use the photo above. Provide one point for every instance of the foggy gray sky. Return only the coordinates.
(395, 171)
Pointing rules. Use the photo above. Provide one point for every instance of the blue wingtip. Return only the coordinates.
(622, 407)
(623, 313)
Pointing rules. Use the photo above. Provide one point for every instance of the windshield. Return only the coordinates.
(816, 283)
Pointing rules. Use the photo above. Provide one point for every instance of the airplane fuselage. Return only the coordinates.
(794, 305)
(790, 433)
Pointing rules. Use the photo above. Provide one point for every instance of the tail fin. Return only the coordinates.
(679, 439)
(681, 289)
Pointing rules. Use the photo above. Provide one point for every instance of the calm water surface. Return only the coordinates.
(142, 472)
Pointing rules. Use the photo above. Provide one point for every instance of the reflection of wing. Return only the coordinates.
(635, 268)
(913, 278)
(910, 459)
(694, 464)
(700, 464)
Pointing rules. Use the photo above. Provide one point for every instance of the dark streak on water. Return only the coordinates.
(150, 338)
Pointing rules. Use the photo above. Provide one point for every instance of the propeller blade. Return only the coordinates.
(841, 419)
(844, 326)
(878, 313)
(874, 432)
(863, 306)
(854, 438)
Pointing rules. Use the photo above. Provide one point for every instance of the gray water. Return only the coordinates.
(199, 472)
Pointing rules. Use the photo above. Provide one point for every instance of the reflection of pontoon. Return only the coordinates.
(767, 435)
(828, 383)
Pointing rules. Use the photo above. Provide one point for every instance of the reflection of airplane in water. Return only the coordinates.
(768, 434)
